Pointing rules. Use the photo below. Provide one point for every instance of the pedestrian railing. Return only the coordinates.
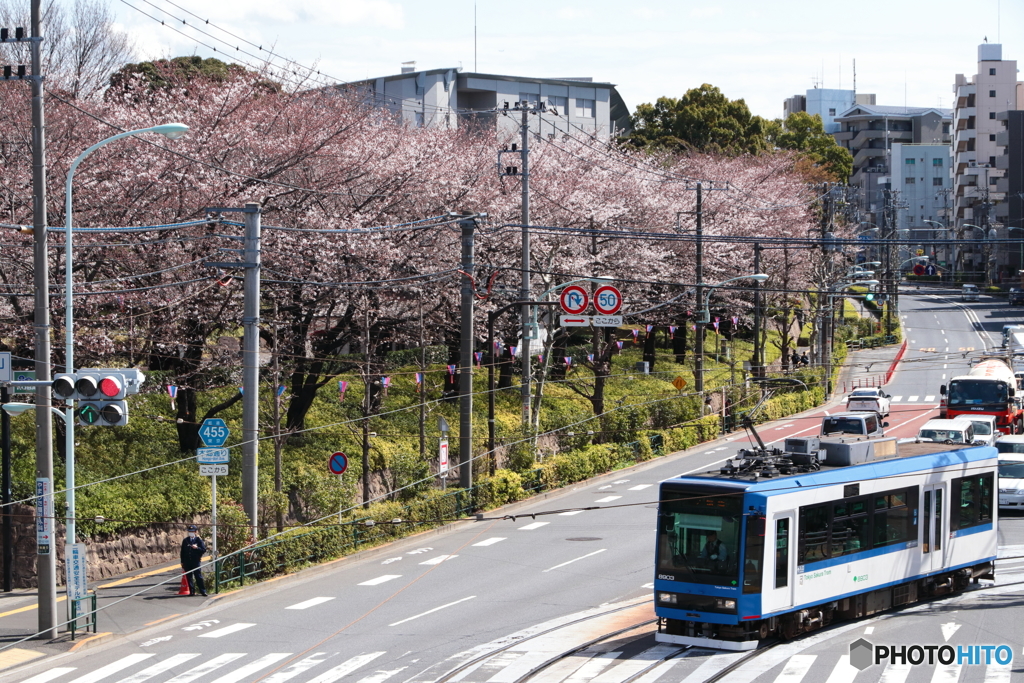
(83, 619)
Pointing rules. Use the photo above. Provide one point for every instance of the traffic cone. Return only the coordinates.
(183, 590)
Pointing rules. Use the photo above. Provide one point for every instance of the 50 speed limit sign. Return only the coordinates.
(607, 300)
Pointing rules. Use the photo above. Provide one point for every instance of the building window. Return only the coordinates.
(910, 181)
(991, 93)
(937, 161)
(991, 137)
(584, 108)
(559, 104)
(832, 111)
(991, 114)
(992, 162)
(992, 180)
(937, 182)
(992, 71)
(911, 161)
(945, 129)
(529, 97)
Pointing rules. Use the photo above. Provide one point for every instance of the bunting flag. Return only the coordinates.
(512, 351)
(342, 388)
(590, 357)
(172, 391)
(241, 390)
(568, 361)
(735, 320)
(619, 344)
(716, 324)
(649, 328)
(385, 383)
(671, 331)
(451, 369)
(693, 327)
(280, 389)
(540, 358)
(479, 357)
(418, 378)
(635, 334)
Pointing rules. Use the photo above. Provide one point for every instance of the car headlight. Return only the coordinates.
(1019, 492)
(725, 603)
(667, 598)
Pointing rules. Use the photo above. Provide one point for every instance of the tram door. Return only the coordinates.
(782, 565)
(933, 531)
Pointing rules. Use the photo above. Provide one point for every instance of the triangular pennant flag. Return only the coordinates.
(451, 369)
(649, 328)
(540, 358)
(512, 351)
(342, 388)
(280, 389)
(735, 320)
(172, 391)
(241, 390)
(419, 378)
(671, 331)
(619, 344)
(590, 357)
(386, 381)
(568, 361)
(693, 327)
(635, 333)
(479, 357)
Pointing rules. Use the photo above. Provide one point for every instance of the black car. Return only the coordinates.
(1016, 296)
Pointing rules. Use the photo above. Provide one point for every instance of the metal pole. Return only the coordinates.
(698, 347)
(213, 496)
(524, 295)
(758, 355)
(366, 408)
(250, 366)
(46, 564)
(423, 389)
(468, 226)
(8, 531)
(278, 465)
(493, 357)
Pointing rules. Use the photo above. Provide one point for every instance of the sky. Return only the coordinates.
(906, 51)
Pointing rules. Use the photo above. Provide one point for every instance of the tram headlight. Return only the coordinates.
(725, 603)
(667, 598)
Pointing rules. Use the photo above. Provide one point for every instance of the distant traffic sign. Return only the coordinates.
(606, 320)
(574, 299)
(931, 270)
(24, 376)
(607, 300)
(214, 431)
(443, 464)
(5, 365)
(212, 456)
(679, 383)
(919, 269)
(338, 463)
(574, 320)
(213, 470)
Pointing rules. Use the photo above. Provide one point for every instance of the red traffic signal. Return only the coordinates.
(111, 386)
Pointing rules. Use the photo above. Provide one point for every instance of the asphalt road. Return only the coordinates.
(418, 608)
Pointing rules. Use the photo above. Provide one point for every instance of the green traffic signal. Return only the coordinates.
(870, 296)
(89, 414)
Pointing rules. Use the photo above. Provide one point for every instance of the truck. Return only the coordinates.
(990, 388)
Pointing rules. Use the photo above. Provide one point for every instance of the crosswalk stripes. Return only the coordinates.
(695, 666)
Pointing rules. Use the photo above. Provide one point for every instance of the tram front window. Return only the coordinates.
(699, 537)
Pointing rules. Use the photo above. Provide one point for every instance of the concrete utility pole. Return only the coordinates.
(468, 226)
(757, 370)
(698, 344)
(524, 293)
(251, 366)
(46, 563)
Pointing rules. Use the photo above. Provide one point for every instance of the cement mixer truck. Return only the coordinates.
(990, 388)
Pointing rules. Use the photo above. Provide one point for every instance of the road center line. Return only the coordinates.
(309, 603)
(431, 611)
(558, 566)
(227, 630)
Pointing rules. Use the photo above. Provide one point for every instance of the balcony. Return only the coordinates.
(867, 156)
(1003, 162)
(1003, 138)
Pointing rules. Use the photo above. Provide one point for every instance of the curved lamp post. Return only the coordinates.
(705, 313)
(172, 131)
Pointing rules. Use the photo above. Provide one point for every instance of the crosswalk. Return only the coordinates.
(656, 664)
(913, 399)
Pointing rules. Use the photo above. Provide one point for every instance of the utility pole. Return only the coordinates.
(423, 389)
(367, 404)
(698, 346)
(8, 528)
(524, 293)
(468, 226)
(758, 350)
(46, 560)
(250, 366)
(278, 482)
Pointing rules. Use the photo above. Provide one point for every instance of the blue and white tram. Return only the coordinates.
(780, 549)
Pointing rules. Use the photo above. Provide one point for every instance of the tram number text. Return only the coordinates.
(666, 577)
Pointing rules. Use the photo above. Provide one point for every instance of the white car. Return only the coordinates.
(868, 399)
(984, 428)
(958, 431)
(1011, 472)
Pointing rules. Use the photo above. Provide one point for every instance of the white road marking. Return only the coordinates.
(943, 375)
(592, 668)
(896, 399)
(295, 669)
(796, 668)
(895, 673)
(380, 579)
(110, 669)
(843, 672)
(243, 672)
(868, 630)
(227, 630)
(949, 629)
(621, 481)
(535, 525)
(439, 559)
(206, 667)
(930, 399)
(945, 366)
(712, 665)
(159, 668)
(391, 559)
(946, 673)
(640, 487)
(582, 557)
(607, 499)
(381, 676)
(602, 488)
(423, 614)
(912, 399)
(647, 585)
(570, 513)
(489, 541)
(345, 669)
(51, 674)
(309, 603)
(946, 341)
(995, 673)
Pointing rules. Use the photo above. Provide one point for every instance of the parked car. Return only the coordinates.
(1015, 296)
(1011, 479)
(1010, 443)
(984, 428)
(958, 431)
(969, 293)
(873, 399)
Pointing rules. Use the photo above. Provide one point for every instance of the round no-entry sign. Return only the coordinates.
(574, 299)
(338, 463)
(607, 300)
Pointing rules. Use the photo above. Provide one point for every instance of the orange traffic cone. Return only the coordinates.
(183, 590)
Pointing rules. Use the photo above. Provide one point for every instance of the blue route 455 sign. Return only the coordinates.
(214, 432)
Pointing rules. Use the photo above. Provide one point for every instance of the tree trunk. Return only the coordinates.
(649, 352)
(679, 342)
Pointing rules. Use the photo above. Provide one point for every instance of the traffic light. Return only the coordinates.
(101, 394)
(102, 413)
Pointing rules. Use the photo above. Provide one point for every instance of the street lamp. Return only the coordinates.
(705, 314)
(172, 131)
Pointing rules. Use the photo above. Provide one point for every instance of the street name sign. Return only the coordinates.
(214, 431)
(212, 456)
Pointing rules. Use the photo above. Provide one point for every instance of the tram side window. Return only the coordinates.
(753, 563)
(895, 517)
(972, 501)
(850, 531)
(814, 532)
